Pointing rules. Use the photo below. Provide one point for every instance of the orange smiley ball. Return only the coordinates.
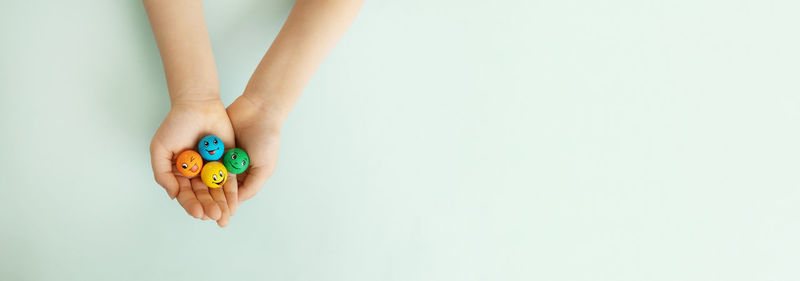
(189, 163)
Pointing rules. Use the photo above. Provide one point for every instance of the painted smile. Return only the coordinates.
(220, 182)
(211, 151)
(194, 168)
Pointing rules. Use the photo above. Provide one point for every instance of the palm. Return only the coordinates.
(179, 131)
(260, 139)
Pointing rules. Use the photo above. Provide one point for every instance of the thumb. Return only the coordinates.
(161, 161)
(255, 179)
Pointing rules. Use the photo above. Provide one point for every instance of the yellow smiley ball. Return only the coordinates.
(214, 174)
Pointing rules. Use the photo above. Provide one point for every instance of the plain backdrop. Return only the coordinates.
(440, 140)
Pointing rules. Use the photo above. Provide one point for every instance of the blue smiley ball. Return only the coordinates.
(211, 148)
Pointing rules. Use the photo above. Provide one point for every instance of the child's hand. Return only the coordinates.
(258, 133)
(308, 35)
(185, 124)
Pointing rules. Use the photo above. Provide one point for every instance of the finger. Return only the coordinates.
(209, 206)
(188, 199)
(231, 189)
(256, 178)
(219, 197)
(161, 161)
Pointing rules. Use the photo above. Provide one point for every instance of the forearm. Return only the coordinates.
(182, 38)
(309, 34)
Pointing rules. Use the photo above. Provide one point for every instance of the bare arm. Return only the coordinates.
(182, 38)
(310, 32)
(180, 31)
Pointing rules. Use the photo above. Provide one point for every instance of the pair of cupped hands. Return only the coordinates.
(245, 124)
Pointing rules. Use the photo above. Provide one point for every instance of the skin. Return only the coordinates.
(253, 121)
(183, 42)
(309, 34)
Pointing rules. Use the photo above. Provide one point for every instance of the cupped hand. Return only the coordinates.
(258, 133)
(184, 125)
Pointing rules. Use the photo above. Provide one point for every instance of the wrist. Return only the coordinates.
(194, 97)
(197, 103)
(271, 113)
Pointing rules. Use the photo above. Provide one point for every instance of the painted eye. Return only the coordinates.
(215, 141)
(185, 166)
(242, 162)
(214, 177)
(233, 157)
(206, 143)
(220, 173)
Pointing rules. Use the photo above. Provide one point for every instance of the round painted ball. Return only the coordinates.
(236, 160)
(214, 174)
(211, 147)
(189, 163)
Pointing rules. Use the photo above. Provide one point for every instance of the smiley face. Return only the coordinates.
(236, 161)
(214, 174)
(211, 148)
(189, 163)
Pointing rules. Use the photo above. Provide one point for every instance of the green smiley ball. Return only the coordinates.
(236, 161)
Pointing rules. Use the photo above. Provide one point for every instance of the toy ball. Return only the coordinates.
(236, 161)
(189, 163)
(211, 148)
(214, 174)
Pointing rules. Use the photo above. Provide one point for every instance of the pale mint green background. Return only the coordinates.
(441, 140)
